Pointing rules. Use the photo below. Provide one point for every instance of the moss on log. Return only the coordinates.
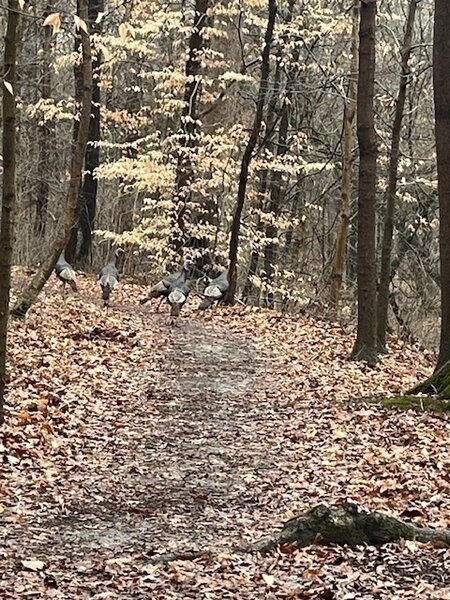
(348, 524)
(411, 402)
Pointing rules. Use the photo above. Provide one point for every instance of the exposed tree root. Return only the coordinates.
(437, 385)
(347, 524)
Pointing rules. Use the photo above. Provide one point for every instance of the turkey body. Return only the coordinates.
(215, 291)
(65, 273)
(163, 288)
(109, 277)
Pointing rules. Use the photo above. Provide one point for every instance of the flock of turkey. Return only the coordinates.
(173, 288)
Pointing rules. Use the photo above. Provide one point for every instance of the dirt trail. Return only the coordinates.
(176, 476)
(161, 440)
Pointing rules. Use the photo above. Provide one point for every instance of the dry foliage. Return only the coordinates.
(127, 438)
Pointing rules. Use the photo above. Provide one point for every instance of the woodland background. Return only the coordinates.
(290, 223)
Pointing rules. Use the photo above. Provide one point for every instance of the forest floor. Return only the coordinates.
(127, 438)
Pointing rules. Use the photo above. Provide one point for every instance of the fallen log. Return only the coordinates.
(347, 524)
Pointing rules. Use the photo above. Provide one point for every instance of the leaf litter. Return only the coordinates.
(127, 438)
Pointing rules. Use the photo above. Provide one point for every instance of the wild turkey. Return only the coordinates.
(164, 287)
(179, 292)
(109, 277)
(66, 274)
(215, 291)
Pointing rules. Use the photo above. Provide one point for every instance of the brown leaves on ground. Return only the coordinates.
(127, 438)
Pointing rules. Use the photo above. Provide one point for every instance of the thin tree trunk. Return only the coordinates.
(340, 258)
(44, 134)
(270, 250)
(9, 184)
(388, 229)
(189, 126)
(365, 346)
(441, 80)
(31, 293)
(88, 196)
(80, 241)
(248, 152)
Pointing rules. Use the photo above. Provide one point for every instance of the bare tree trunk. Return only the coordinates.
(365, 346)
(31, 293)
(270, 250)
(88, 196)
(340, 258)
(44, 133)
(388, 229)
(80, 241)
(189, 126)
(9, 184)
(247, 156)
(441, 79)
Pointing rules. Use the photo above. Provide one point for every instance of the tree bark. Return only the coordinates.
(365, 346)
(347, 524)
(44, 135)
(248, 152)
(87, 201)
(340, 258)
(441, 80)
(189, 126)
(31, 293)
(9, 185)
(388, 228)
(436, 385)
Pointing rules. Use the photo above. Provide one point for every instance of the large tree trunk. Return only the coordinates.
(189, 127)
(340, 258)
(365, 346)
(248, 152)
(388, 229)
(441, 79)
(31, 293)
(9, 184)
(44, 135)
(87, 201)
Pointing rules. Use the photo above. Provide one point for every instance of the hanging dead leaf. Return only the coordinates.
(21, 4)
(123, 31)
(53, 20)
(80, 24)
(9, 87)
(99, 17)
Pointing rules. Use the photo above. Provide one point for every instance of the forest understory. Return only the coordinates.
(127, 438)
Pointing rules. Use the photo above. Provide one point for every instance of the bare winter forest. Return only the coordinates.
(225, 299)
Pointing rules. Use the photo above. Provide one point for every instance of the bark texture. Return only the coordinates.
(80, 241)
(365, 346)
(436, 385)
(248, 152)
(441, 80)
(189, 125)
(348, 524)
(31, 293)
(388, 229)
(45, 133)
(340, 258)
(9, 184)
